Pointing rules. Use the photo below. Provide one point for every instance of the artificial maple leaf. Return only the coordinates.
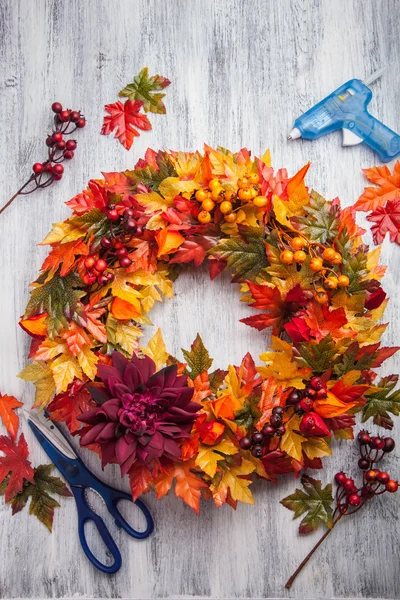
(277, 463)
(247, 372)
(89, 317)
(316, 447)
(147, 90)
(41, 375)
(68, 406)
(216, 379)
(15, 462)
(282, 366)
(42, 505)
(208, 456)
(168, 241)
(234, 481)
(315, 501)
(156, 349)
(194, 248)
(321, 223)
(271, 396)
(197, 358)
(382, 400)
(188, 486)
(388, 187)
(140, 478)
(342, 426)
(123, 118)
(287, 277)
(291, 441)
(76, 338)
(65, 369)
(64, 254)
(125, 334)
(386, 219)
(10, 420)
(152, 172)
(35, 326)
(298, 329)
(322, 322)
(201, 386)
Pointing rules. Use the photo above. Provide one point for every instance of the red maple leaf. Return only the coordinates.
(277, 463)
(66, 407)
(15, 462)
(298, 330)
(323, 321)
(123, 119)
(193, 249)
(7, 414)
(386, 219)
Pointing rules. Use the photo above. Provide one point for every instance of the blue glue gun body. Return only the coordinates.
(346, 108)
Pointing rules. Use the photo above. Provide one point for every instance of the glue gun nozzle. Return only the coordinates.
(289, 137)
(294, 134)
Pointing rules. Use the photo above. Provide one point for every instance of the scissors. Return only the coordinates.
(80, 479)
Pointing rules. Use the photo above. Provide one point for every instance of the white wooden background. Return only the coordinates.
(241, 71)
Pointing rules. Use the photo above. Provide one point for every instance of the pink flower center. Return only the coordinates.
(140, 412)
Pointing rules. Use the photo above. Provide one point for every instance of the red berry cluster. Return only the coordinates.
(122, 229)
(375, 482)
(59, 149)
(303, 400)
(261, 438)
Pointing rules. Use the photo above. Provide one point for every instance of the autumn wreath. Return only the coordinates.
(300, 262)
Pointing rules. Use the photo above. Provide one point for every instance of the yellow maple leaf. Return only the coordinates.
(352, 304)
(187, 164)
(316, 447)
(291, 441)
(266, 158)
(208, 456)
(152, 202)
(123, 333)
(88, 361)
(156, 349)
(35, 370)
(62, 233)
(282, 366)
(234, 481)
(40, 373)
(65, 368)
(49, 349)
(375, 270)
(173, 186)
(156, 222)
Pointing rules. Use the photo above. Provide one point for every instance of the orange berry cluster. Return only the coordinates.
(229, 201)
(331, 280)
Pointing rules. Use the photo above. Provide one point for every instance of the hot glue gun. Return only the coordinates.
(346, 109)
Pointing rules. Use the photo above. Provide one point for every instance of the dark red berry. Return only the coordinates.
(257, 451)
(58, 169)
(389, 444)
(354, 499)
(125, 262)
(268, 430)
(128, 213)
(306, 404)
(49, 141)
(340, 477)
(102, 279)
(280, 431)
(276, 421)
(245, 443)
(371, 475)
(110, 276)
(298, 410)
(122, 251)
(71, 145)
(364, 464)
(383, 477)
(61, 145)
(348, 484)
(37, 168)
(90, 278)
(294, 397)
(364, 437)
(74, 116)
(89, 262)
(139, 232)
(64, 115)
(317, 383)
(113, 215)
(377, 443)
(56, 107)
(100, 265)
(310, 393)
(130, 225)
(277, 410)
(57, 137)
(48, 167)
(57, 177)
(81, 123)
(68, 154)
(257, 438)
(321, 394)
(392, 486)
(105, 242)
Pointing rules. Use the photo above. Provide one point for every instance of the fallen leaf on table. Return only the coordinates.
(147, 90)
(388, 187)
(7, 414)
(15, 462)
(315, 501)
(123, 119)
(386, 219)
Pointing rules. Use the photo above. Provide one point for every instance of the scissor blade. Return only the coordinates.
(52, 434)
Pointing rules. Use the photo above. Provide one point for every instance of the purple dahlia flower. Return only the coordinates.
(141, 415)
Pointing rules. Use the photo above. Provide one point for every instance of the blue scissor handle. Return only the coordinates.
(85, 514)
(112, 497)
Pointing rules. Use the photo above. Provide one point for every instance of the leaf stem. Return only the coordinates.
(291, 579)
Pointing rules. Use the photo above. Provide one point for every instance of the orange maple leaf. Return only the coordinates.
(188, 486)
(7, 414)
(388, 187)
(76, 337)
(65, 254)
(323, 321)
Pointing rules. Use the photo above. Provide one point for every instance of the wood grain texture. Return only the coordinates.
(242, 70)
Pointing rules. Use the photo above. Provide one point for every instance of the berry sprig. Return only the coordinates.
(114, 249)
(229, 201)
(259, 439)
(349, 497)
(66, 122)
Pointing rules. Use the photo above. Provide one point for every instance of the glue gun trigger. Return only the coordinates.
(350, 138)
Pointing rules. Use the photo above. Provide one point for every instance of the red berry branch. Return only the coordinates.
(349, 498)
(66, 122)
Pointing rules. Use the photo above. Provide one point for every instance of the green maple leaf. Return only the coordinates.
(147, 90)
(382, 402)
(321, 223)
(245, 253)
(216, 379)
(94, 222)
(355, 267)
(42, 505)
(58, 297)
(315, 501)
(197, 358)
(152, 177)
(250, 413)
(318, 356)
(349, 362)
